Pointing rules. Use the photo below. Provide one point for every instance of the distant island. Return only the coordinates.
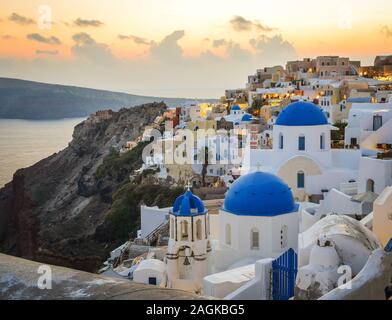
(22, 99)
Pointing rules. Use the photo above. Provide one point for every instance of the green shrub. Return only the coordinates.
(123, 218)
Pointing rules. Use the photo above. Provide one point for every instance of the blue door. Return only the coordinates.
(284, 271)
(152, 280)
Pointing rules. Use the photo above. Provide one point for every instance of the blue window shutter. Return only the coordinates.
(301, 143)
(300, 180)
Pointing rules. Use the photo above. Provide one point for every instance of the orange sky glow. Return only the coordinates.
(202, 32)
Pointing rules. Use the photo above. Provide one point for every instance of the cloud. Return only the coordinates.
(168, 48)
(7, 37)
(83, 38)
(48, 40)
(136, 39)
(20, 19)
(387, 31)
(240, 24)
(164, 71)
(88, 23)
(87, 49)
(219, 43)
(273, 49)
(47, 52)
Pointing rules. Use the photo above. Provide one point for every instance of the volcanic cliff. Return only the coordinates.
(73, 207)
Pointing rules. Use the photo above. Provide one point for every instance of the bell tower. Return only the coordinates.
(189, 243)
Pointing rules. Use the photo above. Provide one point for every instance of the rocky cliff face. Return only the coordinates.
(52, 210)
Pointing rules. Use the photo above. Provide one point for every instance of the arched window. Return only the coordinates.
(370, 185)
(198, 230)
(283, 237)
(300, 180)
(254, 239)
(280, 141)
(322, 141)
(301, 143)
(228, 234)
(184, 230)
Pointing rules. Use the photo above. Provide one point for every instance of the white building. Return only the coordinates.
(365, 119)
(259, 219)
(150, 271)
(302, 154)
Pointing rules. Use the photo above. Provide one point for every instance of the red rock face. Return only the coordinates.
(52, 210)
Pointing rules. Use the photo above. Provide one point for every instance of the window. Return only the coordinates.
(370, 185)
(377, 122)
(280, 141)
(198, 230)
(322, 141)
(300, 180)
(254, 239)
(228, 234)
(152, 280)
(301, 143)
(184, 230)
(283, 237)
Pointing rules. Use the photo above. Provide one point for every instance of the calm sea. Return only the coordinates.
(24, 142)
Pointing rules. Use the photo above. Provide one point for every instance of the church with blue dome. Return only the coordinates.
(188, 205)
(259, 194)
(302, 113)
(301, 153)
(259, 218)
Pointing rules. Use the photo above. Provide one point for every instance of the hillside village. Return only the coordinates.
(289, 188)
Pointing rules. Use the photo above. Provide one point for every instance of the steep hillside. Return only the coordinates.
(75, 206)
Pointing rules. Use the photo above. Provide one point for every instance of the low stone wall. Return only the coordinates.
(19, 280)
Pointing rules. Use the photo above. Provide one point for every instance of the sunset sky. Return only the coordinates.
(181, 48)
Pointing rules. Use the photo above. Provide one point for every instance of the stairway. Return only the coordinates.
(154, 236)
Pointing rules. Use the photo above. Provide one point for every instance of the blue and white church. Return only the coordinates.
(258, 219)
(302, 155)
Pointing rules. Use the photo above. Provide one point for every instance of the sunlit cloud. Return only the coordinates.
(241, 24)
(88, 23)
(47, 52)
(7, 37)
(14, 17)
(47, 40)
(219, 42)
(387, 31)
(136, 39)
(168, 48)
(87, 49)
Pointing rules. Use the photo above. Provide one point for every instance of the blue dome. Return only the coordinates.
(259, 194)
(236, 108)
(247, 117)
(188, 205)
(301, 114)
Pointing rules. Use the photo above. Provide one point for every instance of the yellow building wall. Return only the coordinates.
(288, 172)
